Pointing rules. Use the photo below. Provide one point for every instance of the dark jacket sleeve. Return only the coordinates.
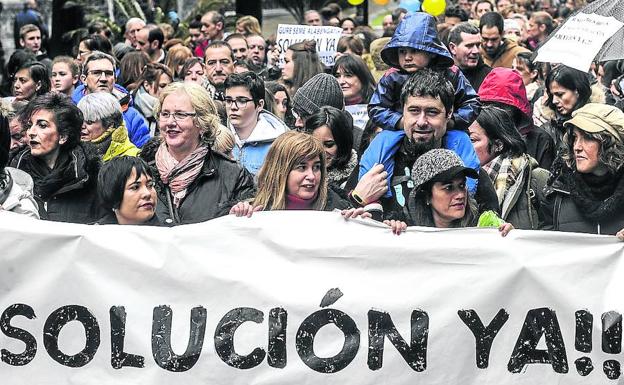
(486, 195)
(244, 189)
(467, 104)
(385, 99)
(547, 209)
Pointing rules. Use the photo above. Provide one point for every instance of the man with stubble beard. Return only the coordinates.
(427, 99)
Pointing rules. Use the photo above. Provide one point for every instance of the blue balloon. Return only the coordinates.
(411, 5)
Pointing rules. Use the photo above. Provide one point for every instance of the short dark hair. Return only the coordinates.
(219, 44)
(354, 65)
(492, 19)
(97, 42)
(96, 27)
(67, 116)
(156, 34)
(457, 12)
(572, 79)
(426, 82)
(113, 176)
(527, 59)
(485, 1)
(195, 24)
(250, 81)
(463, 27)
(396, 13)
(340, 123)
(97, 55)
(39, 73)
(19, 59)
(499, 125)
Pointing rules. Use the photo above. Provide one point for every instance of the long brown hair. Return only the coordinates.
(286, 152)
(307, 64)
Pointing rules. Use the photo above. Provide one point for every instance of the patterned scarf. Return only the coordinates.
(504, 171)
(179, 175)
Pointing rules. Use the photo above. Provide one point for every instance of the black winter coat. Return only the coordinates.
(220, 185)
(562, 213)
(75, 200)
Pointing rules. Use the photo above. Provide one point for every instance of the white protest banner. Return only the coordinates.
(578, 41)
(326, 40)
(359, 112)
(306, 298)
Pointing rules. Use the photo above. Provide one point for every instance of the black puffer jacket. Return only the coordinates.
(563, 213)
(75, 198)
(220, 185)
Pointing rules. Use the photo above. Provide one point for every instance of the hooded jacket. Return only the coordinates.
(505, 86)
(250, 153)
(16, 193)
(505, 54)
(137, 128)
(418, 31)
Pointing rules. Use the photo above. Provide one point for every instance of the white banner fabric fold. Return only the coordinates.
(306, 298)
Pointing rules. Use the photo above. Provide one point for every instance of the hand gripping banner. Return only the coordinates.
(306, 298)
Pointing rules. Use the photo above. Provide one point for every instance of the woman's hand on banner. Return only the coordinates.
(355, 213)
(505, 228)
(397, 227)
(244, 209)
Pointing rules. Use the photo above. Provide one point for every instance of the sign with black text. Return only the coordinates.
(306, 297)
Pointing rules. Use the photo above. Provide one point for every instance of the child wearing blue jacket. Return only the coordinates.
(414, 46)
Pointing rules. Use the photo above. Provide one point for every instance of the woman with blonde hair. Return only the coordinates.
(247, 25)
(293, 177)
(194, 183)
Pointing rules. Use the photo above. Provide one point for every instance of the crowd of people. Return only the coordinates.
(152, 129)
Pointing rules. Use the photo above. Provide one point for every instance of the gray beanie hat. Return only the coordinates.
(439, 165)
(321, 90)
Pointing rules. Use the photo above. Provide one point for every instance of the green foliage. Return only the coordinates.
(203, 6)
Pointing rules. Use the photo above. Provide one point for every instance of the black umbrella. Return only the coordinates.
(613, 49)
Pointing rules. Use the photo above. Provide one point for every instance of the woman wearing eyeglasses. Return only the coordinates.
(194, 183)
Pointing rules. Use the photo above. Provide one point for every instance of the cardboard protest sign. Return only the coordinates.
(326, 39)
(578, 41)
(306, 297)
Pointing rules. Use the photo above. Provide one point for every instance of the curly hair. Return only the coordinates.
(610, 154)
